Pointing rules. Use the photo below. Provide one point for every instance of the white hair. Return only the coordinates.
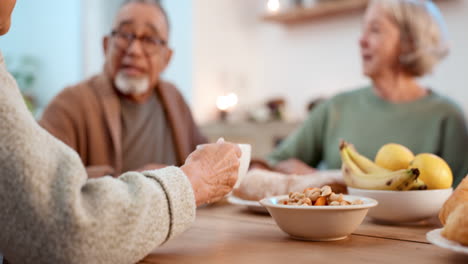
(423, 33)
(157, 3)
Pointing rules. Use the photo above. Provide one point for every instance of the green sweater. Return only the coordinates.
(431, 124)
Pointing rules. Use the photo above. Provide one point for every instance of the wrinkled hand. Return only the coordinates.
(212, 169)
(293, 166)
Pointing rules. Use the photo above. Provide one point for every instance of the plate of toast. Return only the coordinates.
(436, 238)
(453, 216)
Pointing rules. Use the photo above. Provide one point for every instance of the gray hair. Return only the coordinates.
(156, 3)
(423, 33)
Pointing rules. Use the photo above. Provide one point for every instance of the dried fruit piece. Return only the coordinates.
(321, 201)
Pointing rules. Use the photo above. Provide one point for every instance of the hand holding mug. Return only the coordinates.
(213, 170)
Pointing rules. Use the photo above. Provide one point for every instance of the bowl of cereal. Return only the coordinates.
(318, 214)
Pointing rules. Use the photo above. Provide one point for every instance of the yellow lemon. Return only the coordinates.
(394, 157)
(434, 171)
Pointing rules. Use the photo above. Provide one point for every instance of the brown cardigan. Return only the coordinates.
(87, 118)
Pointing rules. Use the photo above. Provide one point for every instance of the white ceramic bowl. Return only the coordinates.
(404, 206)
(318, 223)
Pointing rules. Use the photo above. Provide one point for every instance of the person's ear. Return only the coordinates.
(105, 44)
(168, 57)
(4, 26)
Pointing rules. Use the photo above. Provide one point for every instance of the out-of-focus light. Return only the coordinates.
(226, 102)
(273, 6)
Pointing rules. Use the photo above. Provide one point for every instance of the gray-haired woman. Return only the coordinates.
(401, 41)
(51, 213)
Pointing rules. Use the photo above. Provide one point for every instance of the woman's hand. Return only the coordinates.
(212, 169)
(293, 166)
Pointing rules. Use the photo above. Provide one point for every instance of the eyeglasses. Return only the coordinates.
(150, 45)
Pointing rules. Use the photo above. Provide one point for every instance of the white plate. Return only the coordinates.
(254, 206)
(436, 238)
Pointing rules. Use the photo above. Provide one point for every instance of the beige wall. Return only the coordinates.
(235, 51)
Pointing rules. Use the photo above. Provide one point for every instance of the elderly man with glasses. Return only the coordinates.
(127, 118)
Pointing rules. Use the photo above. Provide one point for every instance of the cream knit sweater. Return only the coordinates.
(51, 213)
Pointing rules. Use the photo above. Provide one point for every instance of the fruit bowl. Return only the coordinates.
(404, 206)
(318, 223)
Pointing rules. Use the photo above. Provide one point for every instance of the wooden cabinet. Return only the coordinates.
(262, 136)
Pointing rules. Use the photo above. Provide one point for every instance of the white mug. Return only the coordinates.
(244, 160)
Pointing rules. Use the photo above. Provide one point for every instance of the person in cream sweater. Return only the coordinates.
(50, 212)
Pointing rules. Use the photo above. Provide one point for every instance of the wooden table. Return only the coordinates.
(226, 233)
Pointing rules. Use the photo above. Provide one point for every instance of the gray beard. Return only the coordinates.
(131, 86)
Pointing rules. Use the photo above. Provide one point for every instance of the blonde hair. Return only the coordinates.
(423, 33)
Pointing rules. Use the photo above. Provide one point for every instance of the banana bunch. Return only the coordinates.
(360, 172)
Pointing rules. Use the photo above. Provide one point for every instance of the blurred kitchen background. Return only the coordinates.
(250, 69)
